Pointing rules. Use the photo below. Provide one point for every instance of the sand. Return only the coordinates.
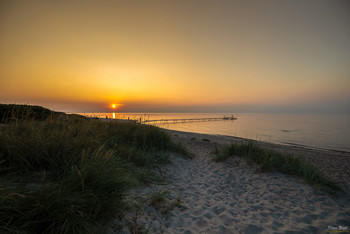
(232, 197)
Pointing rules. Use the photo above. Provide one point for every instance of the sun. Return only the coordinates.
(115, 105)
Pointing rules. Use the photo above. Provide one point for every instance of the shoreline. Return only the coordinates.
(338, 146)
(332, 163)
(287, 145)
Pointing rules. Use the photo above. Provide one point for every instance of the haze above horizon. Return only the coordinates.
(176, 56)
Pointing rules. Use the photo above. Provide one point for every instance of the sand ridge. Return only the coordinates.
(232, 197)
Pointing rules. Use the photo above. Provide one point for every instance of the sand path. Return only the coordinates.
(232, 197)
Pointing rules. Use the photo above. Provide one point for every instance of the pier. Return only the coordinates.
(165, 121)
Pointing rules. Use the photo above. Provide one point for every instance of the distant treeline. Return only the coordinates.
(13, 111)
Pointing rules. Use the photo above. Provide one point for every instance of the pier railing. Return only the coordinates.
(165, 121)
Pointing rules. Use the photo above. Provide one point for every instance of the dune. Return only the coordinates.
(202, 196)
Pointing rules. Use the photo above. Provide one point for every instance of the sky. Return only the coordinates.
(176, 56)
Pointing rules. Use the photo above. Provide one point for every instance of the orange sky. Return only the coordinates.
(221, 56)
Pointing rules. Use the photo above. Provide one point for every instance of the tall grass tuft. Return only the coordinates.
(68, 175)
(270, 160)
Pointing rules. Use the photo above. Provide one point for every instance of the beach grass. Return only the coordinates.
(69, 174)
(13, 112)
(272, 160)
(158, 196)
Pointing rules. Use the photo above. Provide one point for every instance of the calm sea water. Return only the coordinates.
(326, 131)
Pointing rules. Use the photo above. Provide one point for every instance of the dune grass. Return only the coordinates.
(271, 160)
(10, 112)
(69, 175)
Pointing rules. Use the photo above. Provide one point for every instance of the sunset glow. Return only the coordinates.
(176, 56)
(136, 115)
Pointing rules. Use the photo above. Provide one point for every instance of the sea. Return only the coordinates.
(320, 131)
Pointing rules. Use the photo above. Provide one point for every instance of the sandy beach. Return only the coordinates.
(202, 196)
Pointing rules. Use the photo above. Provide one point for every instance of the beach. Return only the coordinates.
(203, 196)
(174, 117)
(136, 178)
